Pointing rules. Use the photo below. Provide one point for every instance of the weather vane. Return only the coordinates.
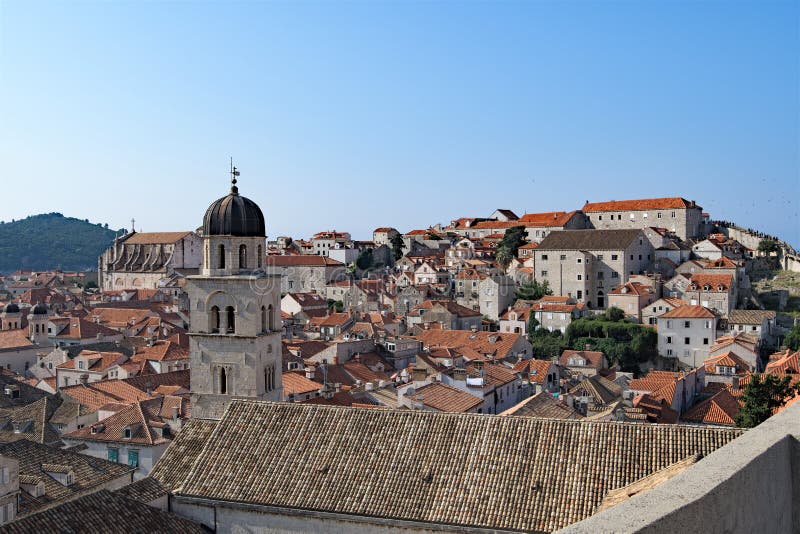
(234, 173)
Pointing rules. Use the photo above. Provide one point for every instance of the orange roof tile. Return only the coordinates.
(688, 312)
(637, 205)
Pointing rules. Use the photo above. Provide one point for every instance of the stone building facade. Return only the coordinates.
(678, 215)
(235, 345)
(586, 265)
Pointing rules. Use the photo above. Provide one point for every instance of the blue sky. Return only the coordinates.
(353, 115)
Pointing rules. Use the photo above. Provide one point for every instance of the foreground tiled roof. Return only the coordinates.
(637, 205)
(432, 467)
(172, 468)
(788, 364)
(104, 512)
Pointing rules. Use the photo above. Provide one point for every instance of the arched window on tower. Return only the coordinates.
(270, 317)
(242, 257)
(263, 319)
(231, 319)
(222, 256)
(214, 319)
(223, 381)
(260, 259)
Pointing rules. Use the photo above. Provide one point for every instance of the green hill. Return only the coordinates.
(52, 241)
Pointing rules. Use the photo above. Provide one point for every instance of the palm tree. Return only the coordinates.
(503, 257)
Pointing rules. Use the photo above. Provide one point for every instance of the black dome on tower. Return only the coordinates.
(11, 307)
(234, 215)
(39, 309)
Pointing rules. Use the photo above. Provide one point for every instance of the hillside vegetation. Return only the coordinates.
(52, 241)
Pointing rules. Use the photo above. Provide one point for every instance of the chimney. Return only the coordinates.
(175, 413)
(418, 374)
(588, 346)
(310, 372)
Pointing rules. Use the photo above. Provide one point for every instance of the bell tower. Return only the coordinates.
(235, 341)
(37, 324)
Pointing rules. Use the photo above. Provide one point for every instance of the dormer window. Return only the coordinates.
(127, 432)
(80, 364)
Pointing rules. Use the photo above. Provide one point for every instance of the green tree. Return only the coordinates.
(513, 239)
(335, 305)
(365, 259)
(792, 339)
(534, 290)
(397, 246)
(503, 256)
(768, 246)
(533, 326)
(762, 395)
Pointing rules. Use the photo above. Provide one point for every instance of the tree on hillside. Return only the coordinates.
(768, 246)
(534, 290)
(513, 239)
(365, 259)
(533, 326)
(792, 339)
(762, 395)
(397, 246)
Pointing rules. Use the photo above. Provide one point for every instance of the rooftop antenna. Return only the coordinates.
(234, 173)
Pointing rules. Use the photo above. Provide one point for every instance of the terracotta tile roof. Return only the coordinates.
(275, 454)
(593, 358)
(551, 218)
(688, 312)
(642, 204)
(155, 238)
(602, 390)
(744, 340)
(726, 359)
(12, 339)
(632, 288)
(336, 319)
(302, 260)
(495, 343)
(534, 370)
(161, 351)
(145, 490)
(750, 316)
(97, 394)
(720, 409)
(103, 512)
(496, 224)
(97, 361)
(789, 364)
(445, 398)
(714, 282)
(589, 239)
(31, 421)
(450, 305)
(543, 405)
(80, 328)
(295, 383)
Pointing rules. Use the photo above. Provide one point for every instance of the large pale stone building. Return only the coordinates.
(140, 260)
(235, 327)
(684, 217)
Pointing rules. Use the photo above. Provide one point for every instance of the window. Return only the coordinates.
(242, 257)
(640, 257)
(631, 257)
(708, 325)
(614, 274)
(600, 275)
(669, 324)
(659, 214)
(133, 458)
(669, 340)
(580, 277)
(579, 260)
(669, 352)
(687, 341)
(563, 256)
(263, 319)
(127, 433)
(600, 257)
(705, 341)
(544, 273)
(673, 214)
(614, 257)
(113, 455)
(80, 364)
(231, 316)
(544, 256)
(214, 319)
(599, 217)
(580, 294)
(687, 324)
(222, 256)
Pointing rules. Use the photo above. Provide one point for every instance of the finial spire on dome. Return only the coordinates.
(234, 173)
